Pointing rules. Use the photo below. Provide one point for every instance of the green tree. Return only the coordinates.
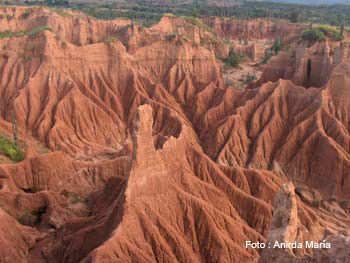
(234, 58)
(277, 46)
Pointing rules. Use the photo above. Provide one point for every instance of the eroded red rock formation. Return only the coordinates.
(154, 159)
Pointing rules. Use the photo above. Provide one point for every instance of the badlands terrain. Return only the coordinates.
(140, 145)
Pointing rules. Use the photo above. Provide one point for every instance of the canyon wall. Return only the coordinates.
(152, 158)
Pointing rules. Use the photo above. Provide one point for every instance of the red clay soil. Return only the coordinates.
(153, 158)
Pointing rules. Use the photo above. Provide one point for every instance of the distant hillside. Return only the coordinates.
(312, 2)
(149, 12)
(209, 2)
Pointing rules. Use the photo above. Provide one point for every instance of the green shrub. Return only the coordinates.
(77, 199)
(110, 40)
(10, 149)
(321, 33)
(268, 55)
(8, 33)
(30, 47)
(234, 58)
(277, 46)
(63, 45)
(197, 22)
(227, 41)
(38, 30)
(249, 78)
(177, 36)
(313, 35)
(44, 151)
(26, 57)
(60, 12)
(26, 13)
(170, 37)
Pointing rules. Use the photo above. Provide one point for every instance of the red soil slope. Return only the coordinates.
(154, 159)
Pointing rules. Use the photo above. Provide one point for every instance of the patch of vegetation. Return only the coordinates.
(110, 40)
(177, 36)
(39, 30)
(151, 13)
(197, 22)
(30, 47)
(320, 33)
(10, 149)
(249, 78)
(169, 14)
(8, 33)
(26, 57)
(234, 58)
(277, 46)
(227, 41)
(60, 12)
(274, 50)
(26, 13)
(346, 44)
(268, 55)
(63, 45)
(313, 35)
(57, 2)
(209, 41)
(74, 198)
(77, 199)
(170, 37)
(44, 151)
